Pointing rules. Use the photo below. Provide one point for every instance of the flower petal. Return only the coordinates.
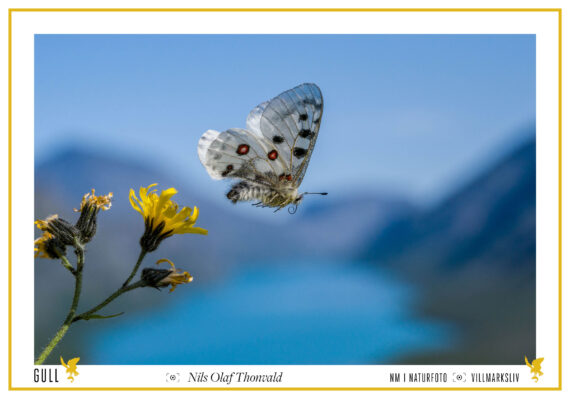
(135, 202)
(165, 260)
(188, 229)
(163, 201)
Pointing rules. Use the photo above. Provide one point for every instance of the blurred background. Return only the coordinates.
(422, 253)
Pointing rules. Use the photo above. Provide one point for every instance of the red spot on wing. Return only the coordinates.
(272, 155)
(242, 149)
(289, 177)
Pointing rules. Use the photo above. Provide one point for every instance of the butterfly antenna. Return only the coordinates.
(317, 193)
(292, 209)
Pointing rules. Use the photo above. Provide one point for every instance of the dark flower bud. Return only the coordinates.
(153, 277)
(89, 208)
(48, 246)
(87, 224)
(61, 229)
(162, 277)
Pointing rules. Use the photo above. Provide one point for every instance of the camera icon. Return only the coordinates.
(172, 377)
(459, 377)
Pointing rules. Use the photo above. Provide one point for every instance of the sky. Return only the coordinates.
(410, 115)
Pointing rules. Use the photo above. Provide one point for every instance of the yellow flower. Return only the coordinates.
(162, 217)
(48, 246)
(162, 277)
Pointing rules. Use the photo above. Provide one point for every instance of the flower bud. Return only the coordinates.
(48, 246)
(61, 229)
(152, 277)
(89, 208)
(162, 277)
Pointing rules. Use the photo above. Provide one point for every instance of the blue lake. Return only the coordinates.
(292, 313)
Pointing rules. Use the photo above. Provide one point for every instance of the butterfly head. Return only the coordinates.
(293, 208)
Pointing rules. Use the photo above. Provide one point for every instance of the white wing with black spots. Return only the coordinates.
(291, 121)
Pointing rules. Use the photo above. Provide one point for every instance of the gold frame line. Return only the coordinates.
(557, 10)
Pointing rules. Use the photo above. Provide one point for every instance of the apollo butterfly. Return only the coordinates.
(269, 157)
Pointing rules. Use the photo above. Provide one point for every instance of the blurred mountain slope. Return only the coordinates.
(474, 258)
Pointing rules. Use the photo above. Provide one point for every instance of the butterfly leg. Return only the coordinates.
(273, 198)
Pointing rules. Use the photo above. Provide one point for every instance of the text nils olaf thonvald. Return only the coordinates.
(235, 376)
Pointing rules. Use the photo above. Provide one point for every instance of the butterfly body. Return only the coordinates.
(270, 157)
(267, 196)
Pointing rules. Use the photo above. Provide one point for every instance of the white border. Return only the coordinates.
(25, 25)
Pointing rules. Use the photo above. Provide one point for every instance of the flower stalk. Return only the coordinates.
(70, 315)
(65, 262)
(142, 254)
(162, 218)
(86, 315)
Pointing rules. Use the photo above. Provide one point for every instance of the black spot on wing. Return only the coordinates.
(229, 168)
(299, 152)
(278, 139)
(306, 134)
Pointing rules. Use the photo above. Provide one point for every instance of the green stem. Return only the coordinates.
(135, 269)
(124, 288)
(65, 262)
(112, 297)
(71, 314)
(71, 318)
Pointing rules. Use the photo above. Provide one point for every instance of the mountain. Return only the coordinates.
(474, 258)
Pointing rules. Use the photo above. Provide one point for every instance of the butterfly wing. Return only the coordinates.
(290, 122)
(239, 153)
